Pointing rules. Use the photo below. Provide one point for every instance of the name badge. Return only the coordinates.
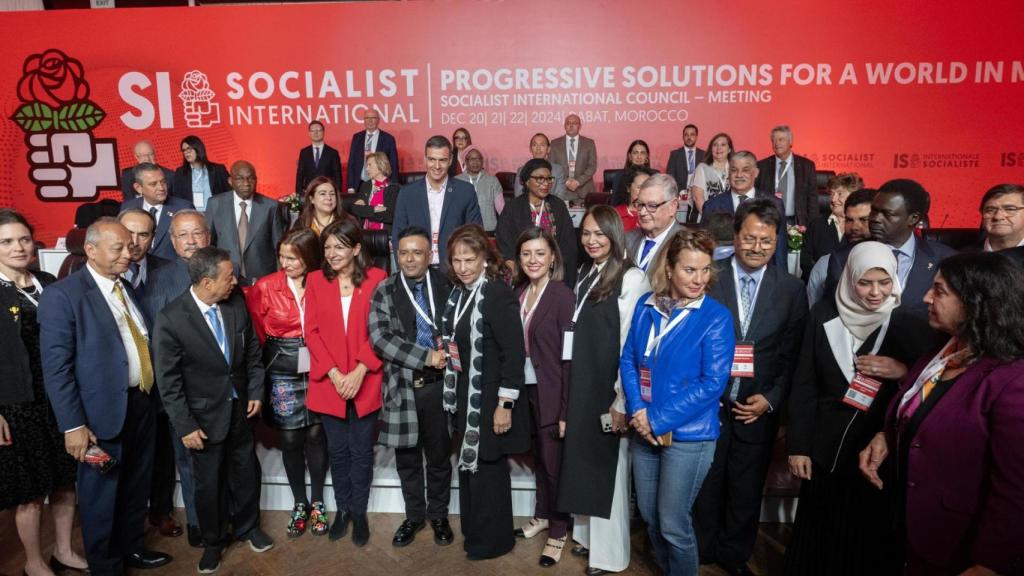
(567, 345)
(439, 343)
(862, 391)
(778, 194)
(453, 356)
(303, 360)
(434, 254)
(198, 200)
(529, 373)
(645, 384)
(743, 361)
(572, 167)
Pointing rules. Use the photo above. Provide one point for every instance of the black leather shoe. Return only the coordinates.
(147, 559)
(195, 537)
(360, 530)
(591, 571)
(406, 533)
(580, 550)
(340, 527)
(442, 531)
(58, 567)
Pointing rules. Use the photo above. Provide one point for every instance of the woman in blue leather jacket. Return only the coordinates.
(674, 367)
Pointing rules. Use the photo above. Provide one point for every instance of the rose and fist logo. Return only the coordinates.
(197, 98)
(66, 161)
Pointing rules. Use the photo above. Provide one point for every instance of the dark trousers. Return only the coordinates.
(435, 446)
(112, 506)
(228, 473)
(728, 507)
(485, 509)
(161, 493)
(547, 458)
(350, 447)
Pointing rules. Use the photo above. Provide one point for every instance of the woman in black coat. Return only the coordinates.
(538, 207)
(33, 462)
(484, 339)
(374, 204)
(197, 179)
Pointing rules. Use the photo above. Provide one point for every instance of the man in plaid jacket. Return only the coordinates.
(405, 320)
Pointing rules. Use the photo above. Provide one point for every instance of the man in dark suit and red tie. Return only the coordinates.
(373, 139)
(792, 178)
(98, 373)
(317, 159)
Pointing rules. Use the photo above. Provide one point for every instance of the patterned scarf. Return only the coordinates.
(473, 363)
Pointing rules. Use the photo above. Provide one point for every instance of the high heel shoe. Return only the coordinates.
(57, 566)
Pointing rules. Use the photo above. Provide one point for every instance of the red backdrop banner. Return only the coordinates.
(886, 89)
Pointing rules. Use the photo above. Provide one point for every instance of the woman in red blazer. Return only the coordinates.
(955, 429)
(545, 307)
(345, 373)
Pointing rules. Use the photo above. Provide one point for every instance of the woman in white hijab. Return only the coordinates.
(855, 348)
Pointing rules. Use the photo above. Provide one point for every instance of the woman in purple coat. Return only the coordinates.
(955, 429)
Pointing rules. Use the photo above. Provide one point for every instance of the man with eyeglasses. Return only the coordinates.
(770, 308)
(1002, 217)
(655, 207)
(154, 199)
(897, 210)
(189, 233)
(317, 159)
(743, 173)
(366, 142)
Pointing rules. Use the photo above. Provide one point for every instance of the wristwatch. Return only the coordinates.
(507, 404)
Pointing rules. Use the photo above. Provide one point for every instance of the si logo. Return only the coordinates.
(66, 161)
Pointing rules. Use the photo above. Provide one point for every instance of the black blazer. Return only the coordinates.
(195, 382)
(722, 204)
(805, 189)
(819, 240)
(330, 166)
(515, 218)
(128, 182)
(385, 144)
(818, 418)
(15, 371)
(366, 211)
(677, 166)
(780, 311)
(216, 173)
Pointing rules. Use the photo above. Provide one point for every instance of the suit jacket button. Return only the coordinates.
(911, 484)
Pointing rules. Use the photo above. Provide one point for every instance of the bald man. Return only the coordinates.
(246, 224)
(145, 154)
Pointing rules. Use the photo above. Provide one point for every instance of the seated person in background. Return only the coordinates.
(638, 155)
(712, 175)
(375, 201)
(857, 211)
(1001, 217)
(461, 141)
(539, 148)
(825, 232)
(321, 205)
(632, 180)
(488, 190)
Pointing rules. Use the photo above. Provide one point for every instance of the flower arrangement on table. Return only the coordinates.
(795, 237)
(293, 202)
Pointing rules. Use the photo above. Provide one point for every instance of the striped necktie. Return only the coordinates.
(141, 344)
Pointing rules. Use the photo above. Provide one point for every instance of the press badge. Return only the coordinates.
(528, 372)
(567, 345)
(645, 384)
(453, 356)
(743, 360)
(303, 360)
(862, 392)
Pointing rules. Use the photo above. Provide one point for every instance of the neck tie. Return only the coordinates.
(141, 345)
(369, 141)
(218, 332)
(155, 214)
(243, 232)
(316, 156)
(780, 187)
(648, 245)
(424, 336)
(572, 149)
(133, 274)
(689, 161)
(746, 301)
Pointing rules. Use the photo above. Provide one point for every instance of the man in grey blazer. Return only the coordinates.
(656, 220)
(683, 161)
(246, 224)
(577, 155)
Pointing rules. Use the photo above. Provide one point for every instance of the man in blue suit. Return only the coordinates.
(140, 226)
(742, 175)
(436, 203)
(151, 184)
(98, 374)
(373, 139)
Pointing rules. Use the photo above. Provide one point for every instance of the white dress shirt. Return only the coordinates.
(749, 195)
(159, 210)
(658, 241)
(117, 310)
(203, 308)
(435, 202)
(238, 208)
(789, 194)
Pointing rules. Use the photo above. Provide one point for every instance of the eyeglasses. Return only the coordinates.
(748, 242)
(650, 207)
(542, 179)
(1011, 211)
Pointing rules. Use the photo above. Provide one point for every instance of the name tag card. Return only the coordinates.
(862, 391)
(572, 167)
(645, 384)
(743, 360)
(303, 360)
(453, 356)
(567, 345)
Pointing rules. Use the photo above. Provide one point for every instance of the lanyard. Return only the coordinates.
(931, 371)
(782, 174)
(880, 338)
(474, 181)
(538, 215)
(299, 302)
(581, 301)
(654, 338)
(460, 310)
(39, 288)
(430, 300)
(650, 253)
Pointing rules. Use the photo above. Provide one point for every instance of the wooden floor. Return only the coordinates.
(312, 555)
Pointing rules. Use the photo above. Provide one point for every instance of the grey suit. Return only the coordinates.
(267, 225)
(585, 168)
(635, 239)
